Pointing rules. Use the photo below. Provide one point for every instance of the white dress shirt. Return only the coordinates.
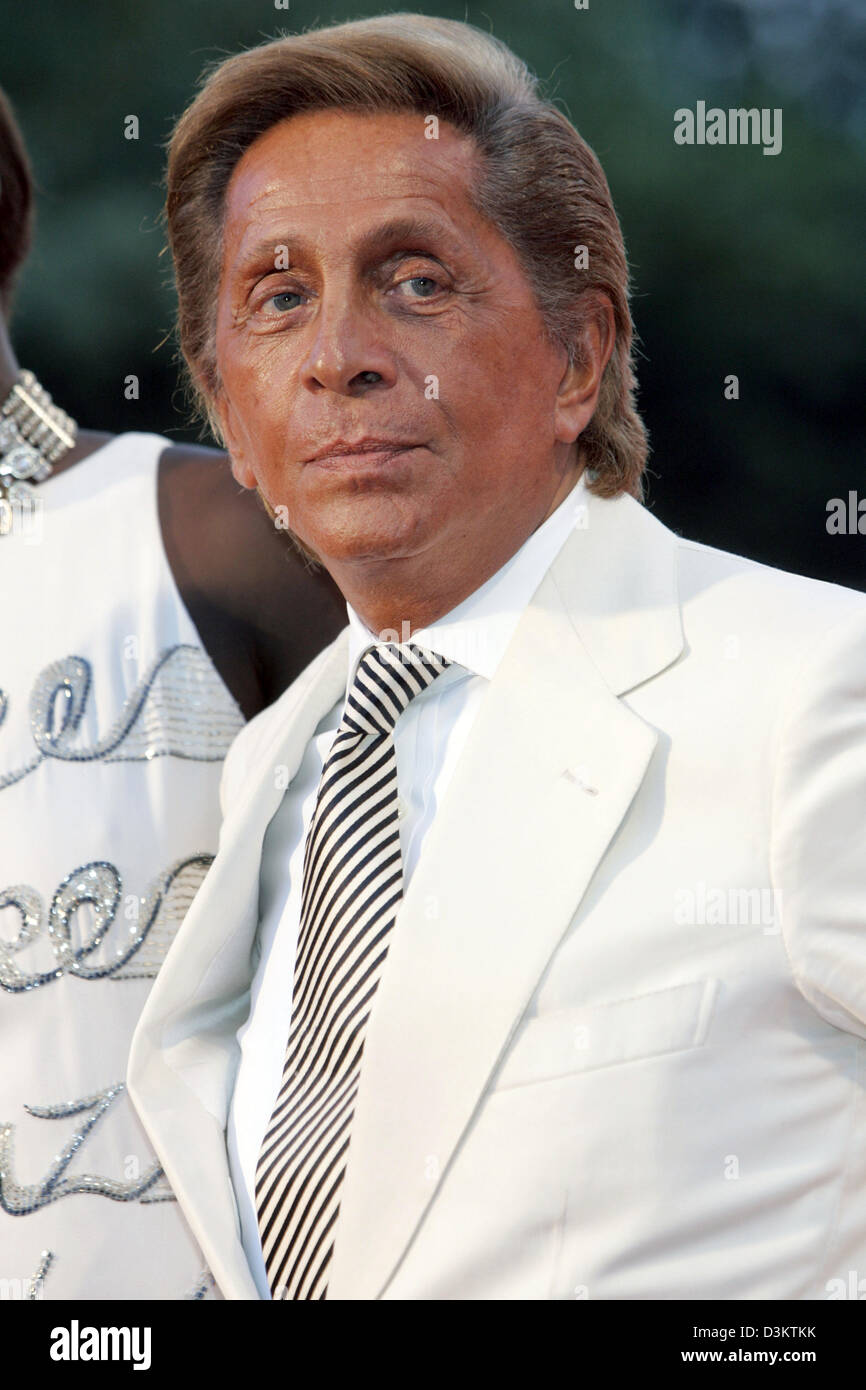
(428, 739)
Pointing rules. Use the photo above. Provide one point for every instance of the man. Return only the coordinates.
(532, 961)
(149, 605)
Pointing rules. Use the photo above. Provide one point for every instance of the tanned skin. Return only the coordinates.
(395, 281)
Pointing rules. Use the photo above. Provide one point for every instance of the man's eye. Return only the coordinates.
(426, 286)
(281, 301)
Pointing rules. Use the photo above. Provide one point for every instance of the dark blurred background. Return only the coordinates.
(743, 263)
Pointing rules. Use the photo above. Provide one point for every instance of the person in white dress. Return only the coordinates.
(134, 643)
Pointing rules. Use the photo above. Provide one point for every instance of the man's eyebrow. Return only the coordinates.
(412, 235)
(407, 234)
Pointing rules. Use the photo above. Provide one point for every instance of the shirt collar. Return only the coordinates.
(475, 634)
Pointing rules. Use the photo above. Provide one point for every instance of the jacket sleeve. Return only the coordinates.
(818, 834)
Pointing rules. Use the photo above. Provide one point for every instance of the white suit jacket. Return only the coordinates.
(618, 1050)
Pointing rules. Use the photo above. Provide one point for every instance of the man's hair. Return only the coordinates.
(16, 203)
(541, 186)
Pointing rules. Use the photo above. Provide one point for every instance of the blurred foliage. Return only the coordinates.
(742, 263)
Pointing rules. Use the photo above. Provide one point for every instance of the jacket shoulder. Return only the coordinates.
(721, 586)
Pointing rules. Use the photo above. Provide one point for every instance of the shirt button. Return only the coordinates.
(402, 808)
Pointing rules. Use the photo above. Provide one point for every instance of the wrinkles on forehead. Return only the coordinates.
(322, 189)
(421, 232)
(336, 147)
(395, 184)
(325, 157)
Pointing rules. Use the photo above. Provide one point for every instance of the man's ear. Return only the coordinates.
(577, 393)
(223, 412)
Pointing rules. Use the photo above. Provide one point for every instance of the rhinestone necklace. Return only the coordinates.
(34, 434)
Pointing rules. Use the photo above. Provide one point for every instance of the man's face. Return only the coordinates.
(402, 316)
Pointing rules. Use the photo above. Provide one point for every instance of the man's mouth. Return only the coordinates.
(362, 453)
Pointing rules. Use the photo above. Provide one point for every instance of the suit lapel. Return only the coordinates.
(208, 971)
(185, 1051)
(550, 768)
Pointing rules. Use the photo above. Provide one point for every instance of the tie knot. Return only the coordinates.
(387, 679)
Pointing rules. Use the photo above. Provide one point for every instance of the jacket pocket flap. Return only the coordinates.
(575, 1040)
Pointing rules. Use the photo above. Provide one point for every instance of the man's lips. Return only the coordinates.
(365, 453)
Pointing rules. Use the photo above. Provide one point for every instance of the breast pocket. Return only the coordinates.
(604, 1035)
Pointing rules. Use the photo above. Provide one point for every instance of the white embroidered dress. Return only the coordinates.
(113, 728)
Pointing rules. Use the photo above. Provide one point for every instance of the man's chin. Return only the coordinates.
(348, 538)
(363, 549)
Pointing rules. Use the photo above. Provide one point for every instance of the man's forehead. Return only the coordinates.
(282, 188)
(323, 158)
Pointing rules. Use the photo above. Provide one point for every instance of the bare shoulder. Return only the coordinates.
(197, 485)
(227, 537)
(262, 612)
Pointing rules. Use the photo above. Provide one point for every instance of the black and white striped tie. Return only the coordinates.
(352, 886)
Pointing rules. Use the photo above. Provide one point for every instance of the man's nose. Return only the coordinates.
(348, 351)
